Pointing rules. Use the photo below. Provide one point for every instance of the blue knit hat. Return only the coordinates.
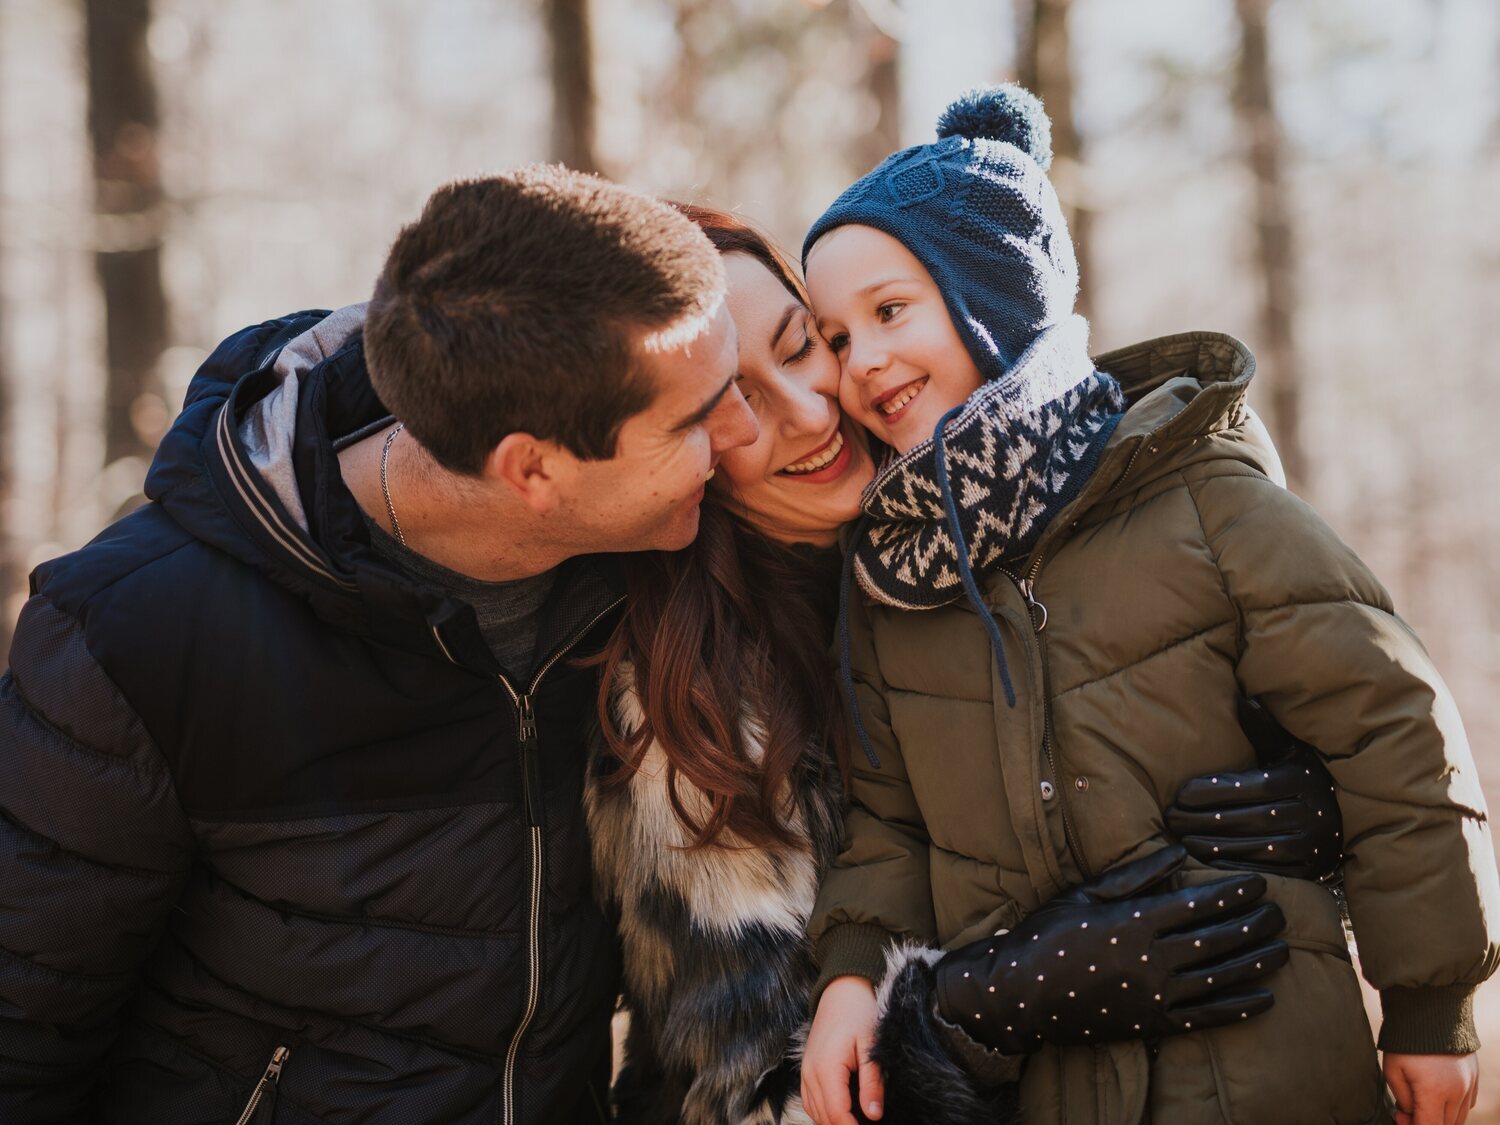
(976, 208)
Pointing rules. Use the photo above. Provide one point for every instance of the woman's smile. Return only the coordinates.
(826, 463)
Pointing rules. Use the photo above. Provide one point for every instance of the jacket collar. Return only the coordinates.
(1186, 396)
(1181, 390)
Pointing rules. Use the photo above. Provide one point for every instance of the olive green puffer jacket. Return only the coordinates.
(1181, 576)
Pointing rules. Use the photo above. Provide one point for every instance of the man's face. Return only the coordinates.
(646, 497)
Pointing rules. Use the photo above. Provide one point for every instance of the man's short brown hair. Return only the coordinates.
(514, 303)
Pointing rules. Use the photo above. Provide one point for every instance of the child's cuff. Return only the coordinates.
(989, 1067)
(852, 949)
(1429, 1021)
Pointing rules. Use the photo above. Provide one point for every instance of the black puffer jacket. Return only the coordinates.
(257, 792)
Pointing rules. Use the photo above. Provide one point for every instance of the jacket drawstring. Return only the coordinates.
(846, 670)
(961, 548)
(965, 573)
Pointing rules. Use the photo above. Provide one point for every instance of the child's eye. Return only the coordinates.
(886, 312)
(838, 341)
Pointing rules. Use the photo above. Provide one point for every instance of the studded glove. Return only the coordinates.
(1107, 961)
(1281, 817)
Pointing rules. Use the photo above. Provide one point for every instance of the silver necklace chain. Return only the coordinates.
(385, 488)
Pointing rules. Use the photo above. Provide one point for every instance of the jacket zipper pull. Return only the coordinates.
(1035, 609)
(261, 1108)
(531, 764)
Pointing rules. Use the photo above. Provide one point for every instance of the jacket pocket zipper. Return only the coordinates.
(263, 1097)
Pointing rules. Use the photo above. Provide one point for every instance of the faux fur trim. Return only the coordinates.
(898, 958)
(717, 966)
(725, 888)
(923, 1082)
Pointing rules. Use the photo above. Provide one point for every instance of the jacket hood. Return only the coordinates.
(1186, 404)
(1183, 390)
(268, 429)
(250, 467)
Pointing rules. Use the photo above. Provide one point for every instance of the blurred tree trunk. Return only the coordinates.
(9, 564)
(569, 30)
(682, 108)
(1264, 146)
(128, 206)
(883, 84)
(1046, 69)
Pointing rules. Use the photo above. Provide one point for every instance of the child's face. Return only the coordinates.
(902, 364)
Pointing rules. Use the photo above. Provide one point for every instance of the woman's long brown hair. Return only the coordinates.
(734, 627)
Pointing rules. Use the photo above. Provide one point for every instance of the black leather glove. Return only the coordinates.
(1106, 961)
(1281, 817)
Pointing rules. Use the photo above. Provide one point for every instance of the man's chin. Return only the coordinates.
(682, 532)
(670, 534)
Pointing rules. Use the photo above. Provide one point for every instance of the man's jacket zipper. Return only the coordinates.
(534, 801)
(261, 1108)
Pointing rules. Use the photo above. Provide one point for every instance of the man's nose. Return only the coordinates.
(733, 421)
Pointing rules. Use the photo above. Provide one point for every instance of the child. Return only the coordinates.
(1070, 569)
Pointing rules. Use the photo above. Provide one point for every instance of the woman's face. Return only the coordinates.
(802, 478)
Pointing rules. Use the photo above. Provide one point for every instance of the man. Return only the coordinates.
(290, 759)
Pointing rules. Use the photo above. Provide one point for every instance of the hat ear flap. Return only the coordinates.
(1006, 113)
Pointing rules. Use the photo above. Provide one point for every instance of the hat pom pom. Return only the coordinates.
(1002, 113)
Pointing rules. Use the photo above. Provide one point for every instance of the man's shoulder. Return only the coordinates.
(146, 580)
(99, 614)
(176, 628)
(144, 544)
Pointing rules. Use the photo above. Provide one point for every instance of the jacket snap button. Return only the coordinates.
(1081, 784)
(1047, 790)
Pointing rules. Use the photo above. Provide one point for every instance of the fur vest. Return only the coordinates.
(717, 966)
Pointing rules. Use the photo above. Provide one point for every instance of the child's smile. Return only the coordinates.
(892, 405)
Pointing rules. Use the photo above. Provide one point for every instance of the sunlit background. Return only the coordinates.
(1317, 177)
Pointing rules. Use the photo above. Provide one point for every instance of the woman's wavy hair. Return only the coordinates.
(731, 637)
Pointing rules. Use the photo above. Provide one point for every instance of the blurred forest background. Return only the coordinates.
(1318, 178)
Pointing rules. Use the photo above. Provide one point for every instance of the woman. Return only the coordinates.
(716, 802)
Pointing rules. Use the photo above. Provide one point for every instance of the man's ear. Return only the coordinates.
(536, 471)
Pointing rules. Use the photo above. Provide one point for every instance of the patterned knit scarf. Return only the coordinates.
(1016, 452)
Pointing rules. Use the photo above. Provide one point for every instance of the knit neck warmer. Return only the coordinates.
(1011, 457)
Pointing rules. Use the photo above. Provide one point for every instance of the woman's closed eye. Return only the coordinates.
(809, 343)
